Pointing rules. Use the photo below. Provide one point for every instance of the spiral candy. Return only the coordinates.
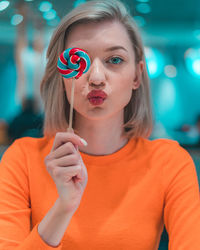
(73, 62)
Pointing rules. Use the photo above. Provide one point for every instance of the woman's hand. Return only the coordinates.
(65, 165)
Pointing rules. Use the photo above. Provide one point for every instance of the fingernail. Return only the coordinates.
(84, 142)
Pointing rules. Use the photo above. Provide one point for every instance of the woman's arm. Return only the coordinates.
(53, 226)
(15, 210)
(182, 200)
(15, 203)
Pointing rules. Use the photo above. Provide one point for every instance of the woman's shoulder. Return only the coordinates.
(33, 142)
(165, 148)
(29, 145)
(162, 142)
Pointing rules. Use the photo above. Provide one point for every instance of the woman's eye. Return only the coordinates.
(115, 60)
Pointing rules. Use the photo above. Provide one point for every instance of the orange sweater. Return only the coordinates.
(129, 197)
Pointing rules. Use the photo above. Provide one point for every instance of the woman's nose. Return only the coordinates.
(96, 73)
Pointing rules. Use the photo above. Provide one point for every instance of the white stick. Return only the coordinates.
(70, 129)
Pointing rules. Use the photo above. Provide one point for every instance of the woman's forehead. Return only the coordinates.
(104, 34)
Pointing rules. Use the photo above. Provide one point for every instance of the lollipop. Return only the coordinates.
(72, 63)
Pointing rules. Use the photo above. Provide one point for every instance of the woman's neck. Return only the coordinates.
(103, 137)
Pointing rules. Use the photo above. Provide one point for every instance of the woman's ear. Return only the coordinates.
(138, 77)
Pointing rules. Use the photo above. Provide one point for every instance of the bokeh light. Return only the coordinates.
(143, 1)
(143, 8)
(140, 21)
(54, 22)
(192, 61)
(16, 19)
(45, 6)
(197, 34)
(155, 62)
(49, 15)
(170, 71)
(4, 5)
(167, 95)
(78, 2)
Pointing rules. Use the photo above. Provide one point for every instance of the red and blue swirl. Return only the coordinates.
(73, 62)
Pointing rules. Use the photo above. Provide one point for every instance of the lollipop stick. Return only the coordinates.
(70, 129)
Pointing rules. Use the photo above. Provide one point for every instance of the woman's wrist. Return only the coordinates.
(62, 208)
(53, 226)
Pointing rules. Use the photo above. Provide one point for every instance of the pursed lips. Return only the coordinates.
(97, 94)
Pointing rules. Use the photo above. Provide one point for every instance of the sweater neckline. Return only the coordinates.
(129, 148)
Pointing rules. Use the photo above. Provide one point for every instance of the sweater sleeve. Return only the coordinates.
(15, 209)
(182, 200)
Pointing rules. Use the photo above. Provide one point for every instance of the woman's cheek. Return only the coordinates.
(83, 90)
(80, 95)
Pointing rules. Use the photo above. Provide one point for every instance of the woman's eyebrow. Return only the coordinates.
(115, 48)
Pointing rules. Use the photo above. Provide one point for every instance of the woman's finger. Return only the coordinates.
(63, 137)
(66, 174)
(68, 160)
(65, 149)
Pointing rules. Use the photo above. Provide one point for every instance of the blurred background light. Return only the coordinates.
(143, 1)
(49, 15)
(140, 21)
(197, 34)
(4, 5)
(192, 61)
(16, 19)
(170, 110)
(78, 2)
(196, 66)
(45, 6)
(28, 0)
(143, 8)
(155, 62)
(170, 71)
(54, 22)
(167, 95)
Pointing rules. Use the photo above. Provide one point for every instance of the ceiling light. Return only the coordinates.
(45, 6)
(170, 71)
(139, 20)
(192, 61)
(143, 1)
(49, 15)
(78, 2)
(54, 22)
(155, 61)
(4, 5)
(16, 19)
(143, 8)
(196, 66)
(197, 34)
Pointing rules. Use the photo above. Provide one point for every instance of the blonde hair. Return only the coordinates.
(137, 113)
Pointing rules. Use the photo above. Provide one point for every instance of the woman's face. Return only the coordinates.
(112, 69)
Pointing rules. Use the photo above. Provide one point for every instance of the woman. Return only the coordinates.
(118, 189)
